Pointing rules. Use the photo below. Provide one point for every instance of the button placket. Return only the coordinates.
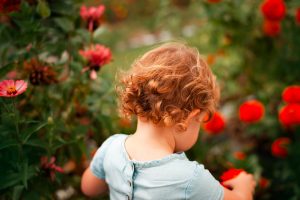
(130, 173)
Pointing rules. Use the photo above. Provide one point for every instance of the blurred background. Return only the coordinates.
(69, 53)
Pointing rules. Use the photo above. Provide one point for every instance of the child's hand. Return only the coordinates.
(242, 185)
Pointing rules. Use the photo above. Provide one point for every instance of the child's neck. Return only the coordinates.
(150, 142)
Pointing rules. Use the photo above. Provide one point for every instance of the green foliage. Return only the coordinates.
(72, 115)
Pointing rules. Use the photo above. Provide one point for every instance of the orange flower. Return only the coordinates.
(279, 147)
(291, 94)
(271, 28)
(11, 88)
(215, 125)
(251, 111)
(289, 115)
(273, 10)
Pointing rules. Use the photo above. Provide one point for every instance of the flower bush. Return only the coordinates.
(58, 60)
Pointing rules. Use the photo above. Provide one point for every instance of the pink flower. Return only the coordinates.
(97, 56)
(11, 88)
(50, 167)
(92, 15)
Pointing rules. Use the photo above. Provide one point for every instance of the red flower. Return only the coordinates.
(97, 56)
(213, 1)
(11, 88)
(251, 111)
(273, 10)
(279, 147)
(7, 6)
(289, 115)
(215, 125)
(230, 174)
(264, 183)
(271, 28)
(50, 167)
(239, 155)
(291, 94)
(39, 73)
(92, 15)
(297, 17)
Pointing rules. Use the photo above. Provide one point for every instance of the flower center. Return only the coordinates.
(11, 90)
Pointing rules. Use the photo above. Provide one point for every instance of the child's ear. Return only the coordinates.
(193, 114)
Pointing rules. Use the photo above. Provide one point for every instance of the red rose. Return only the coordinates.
(291, 94)
(230, 174)
(289, 115)
(271, 28)
(279, 147)
(215, 125)
(251, 111)
(298, 16)
(273, 10)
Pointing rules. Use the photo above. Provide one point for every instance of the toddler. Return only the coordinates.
(170, 89)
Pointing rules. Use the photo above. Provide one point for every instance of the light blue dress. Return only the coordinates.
(173, 177)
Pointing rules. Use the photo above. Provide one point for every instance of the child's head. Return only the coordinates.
(167, 83)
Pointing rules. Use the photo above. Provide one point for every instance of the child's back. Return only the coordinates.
(170, 89)
(171, 177)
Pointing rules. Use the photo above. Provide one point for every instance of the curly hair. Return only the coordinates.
(166, 84)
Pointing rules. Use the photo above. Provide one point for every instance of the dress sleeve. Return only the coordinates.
(203, 186)
(96, 165)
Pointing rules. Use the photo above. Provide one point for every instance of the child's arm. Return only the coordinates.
(91, 185)
(242, 187)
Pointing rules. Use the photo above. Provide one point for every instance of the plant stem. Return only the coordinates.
(16, 116)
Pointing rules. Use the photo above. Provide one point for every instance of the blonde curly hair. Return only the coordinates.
(166, 84)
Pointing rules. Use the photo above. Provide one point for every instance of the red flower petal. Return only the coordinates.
(291, 94)
(289, 115)
(273, 10)
(215, 125)
(271, 28)
(10, 88)
(279, 147)
(251, 111)
(230, 174)
(297, 17)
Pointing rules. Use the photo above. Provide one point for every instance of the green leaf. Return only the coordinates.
(6, 68)
(36, 143)
(6, 144)
(9, 179)
(25, 173)
(32, 130)
(43, 9)
(65, 24)
(17, 191)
